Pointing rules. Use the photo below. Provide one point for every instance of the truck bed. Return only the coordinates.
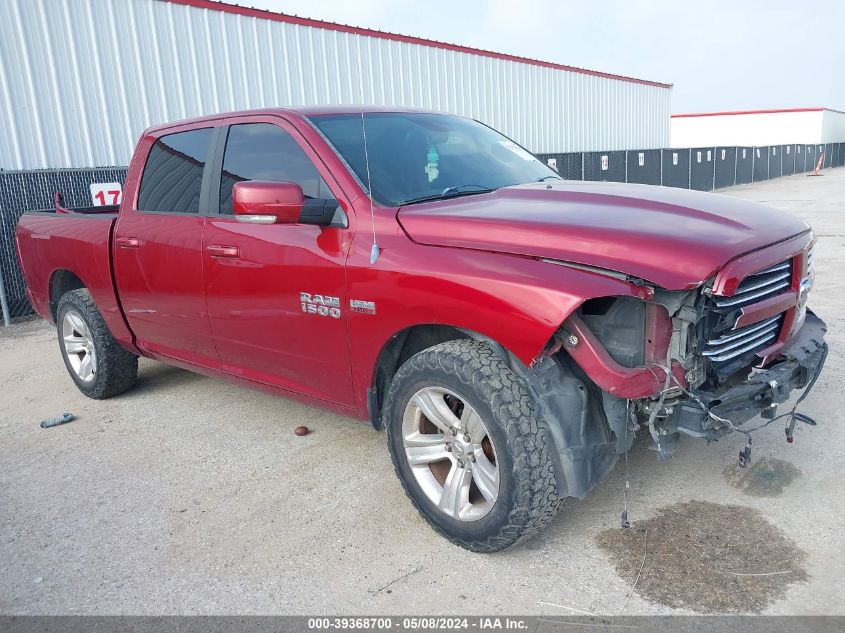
(53, 243)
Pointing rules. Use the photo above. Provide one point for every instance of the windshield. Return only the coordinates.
(421, 156)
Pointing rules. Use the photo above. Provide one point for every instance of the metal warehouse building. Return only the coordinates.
(759, 127)
(81, 79)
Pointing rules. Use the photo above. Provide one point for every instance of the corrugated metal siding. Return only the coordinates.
(833, 126)
(81, 79)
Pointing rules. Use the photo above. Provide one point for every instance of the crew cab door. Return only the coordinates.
(257, 276)
(157, 248)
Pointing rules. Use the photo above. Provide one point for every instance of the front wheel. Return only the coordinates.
(468, 447)
(97, 364)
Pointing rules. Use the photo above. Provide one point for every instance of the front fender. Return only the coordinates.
(518, 302)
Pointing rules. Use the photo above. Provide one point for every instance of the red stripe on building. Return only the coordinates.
(211, 5)
(739, 112)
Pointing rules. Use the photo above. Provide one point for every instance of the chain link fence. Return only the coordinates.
(643, 167)
(22, 191)
(701, 168)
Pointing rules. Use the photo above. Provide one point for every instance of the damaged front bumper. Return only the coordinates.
(797, 366)
(590, 426)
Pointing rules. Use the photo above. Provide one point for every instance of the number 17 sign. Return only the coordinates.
(105, 193)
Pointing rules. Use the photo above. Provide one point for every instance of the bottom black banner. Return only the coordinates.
(530, 624)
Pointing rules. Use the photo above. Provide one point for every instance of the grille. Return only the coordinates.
(759, 286)
(737, 343)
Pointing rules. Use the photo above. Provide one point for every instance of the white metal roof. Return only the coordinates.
(81, 79)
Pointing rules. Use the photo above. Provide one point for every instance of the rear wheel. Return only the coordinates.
(468, 448)
(97, 364)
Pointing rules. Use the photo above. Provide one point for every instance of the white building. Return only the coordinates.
(758, 127)
(82, 78)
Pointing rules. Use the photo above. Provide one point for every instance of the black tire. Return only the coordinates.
(115, 368)
(527, 495)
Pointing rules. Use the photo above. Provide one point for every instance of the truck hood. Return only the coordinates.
(674, 238)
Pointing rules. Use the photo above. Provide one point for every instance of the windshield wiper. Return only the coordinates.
(449, 192)
(543, 179)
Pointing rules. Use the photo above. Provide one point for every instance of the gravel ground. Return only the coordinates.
(193, 496)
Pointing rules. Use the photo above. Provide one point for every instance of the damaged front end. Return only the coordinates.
(701, 362)
(604, 375)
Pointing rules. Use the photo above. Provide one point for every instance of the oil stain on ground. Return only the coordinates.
(765, 478)
(707, 557)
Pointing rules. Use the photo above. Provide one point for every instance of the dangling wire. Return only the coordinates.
(792, 414)
(625, 523)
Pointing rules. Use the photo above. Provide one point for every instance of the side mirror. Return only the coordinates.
(267, 202)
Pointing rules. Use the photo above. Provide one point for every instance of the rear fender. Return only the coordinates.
(81, 245)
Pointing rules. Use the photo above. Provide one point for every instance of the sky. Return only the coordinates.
(720, 55)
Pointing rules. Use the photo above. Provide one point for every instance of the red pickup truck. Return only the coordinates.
(511, 331)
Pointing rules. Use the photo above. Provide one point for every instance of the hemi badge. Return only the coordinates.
(364, 307)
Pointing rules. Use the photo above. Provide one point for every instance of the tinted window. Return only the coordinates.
(173, 174)
(263, 151)
(416, 155)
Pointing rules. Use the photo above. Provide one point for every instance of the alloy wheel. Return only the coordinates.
(79, 346)
(450, 453)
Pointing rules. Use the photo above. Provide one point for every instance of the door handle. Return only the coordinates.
(215, 250)
(128, 242)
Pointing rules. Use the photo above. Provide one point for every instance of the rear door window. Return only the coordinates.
(263, 151)
(172, 178)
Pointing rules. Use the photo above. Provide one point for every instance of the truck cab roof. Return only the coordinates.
(300, 111)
